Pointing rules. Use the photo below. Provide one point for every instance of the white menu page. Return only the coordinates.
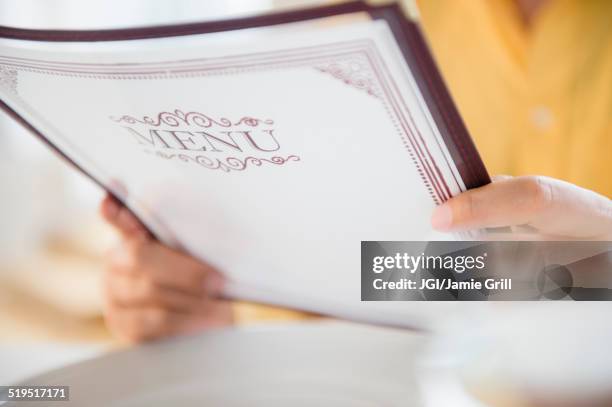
(269, 152)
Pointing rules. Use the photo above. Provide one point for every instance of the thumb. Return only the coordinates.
(551, 206)
(121, 218)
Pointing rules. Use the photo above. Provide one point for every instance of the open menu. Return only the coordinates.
(269, 146)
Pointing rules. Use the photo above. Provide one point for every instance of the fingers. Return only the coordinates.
(152, 291)
(140, 291)
(551, 206)
(122, 218)
(150, 323)
(165, 267)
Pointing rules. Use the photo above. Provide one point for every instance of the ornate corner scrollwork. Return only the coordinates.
(353, 71)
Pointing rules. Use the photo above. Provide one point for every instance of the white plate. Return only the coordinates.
(314, 364)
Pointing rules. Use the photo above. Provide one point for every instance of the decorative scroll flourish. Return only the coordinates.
(352, 71)
(8, 79)
(178, 117)
(227, 164)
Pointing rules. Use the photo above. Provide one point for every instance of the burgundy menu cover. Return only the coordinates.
(271, 146)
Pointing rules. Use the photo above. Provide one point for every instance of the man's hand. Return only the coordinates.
(152, 291)
(548, 206)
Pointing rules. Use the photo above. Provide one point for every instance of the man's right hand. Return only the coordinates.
(152, 291)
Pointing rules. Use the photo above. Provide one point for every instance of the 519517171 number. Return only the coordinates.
(34, 393)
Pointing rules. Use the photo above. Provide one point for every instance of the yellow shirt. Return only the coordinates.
(537, 99)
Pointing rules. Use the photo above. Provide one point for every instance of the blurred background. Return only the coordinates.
(52, 241)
